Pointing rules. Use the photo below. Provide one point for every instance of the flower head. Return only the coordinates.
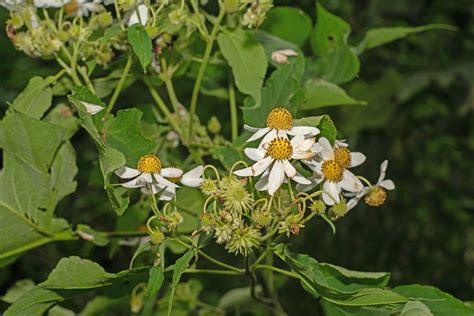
(273, 161)
(244, 239)
(236, 197)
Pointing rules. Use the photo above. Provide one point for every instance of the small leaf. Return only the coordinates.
(247, 59)
(141, 44)
(320, 93)
(155, 280)
(35, 100)
(277, 22)
(415, 308)
(112, 31)
(179, 267)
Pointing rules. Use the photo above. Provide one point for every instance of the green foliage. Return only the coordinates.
(141, 44)
(280, 18)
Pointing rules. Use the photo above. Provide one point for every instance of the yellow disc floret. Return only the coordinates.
(332, 171)
(149, 164)
(71, 7)
(280, 118)
(342, 156)
(376, 196)
(280, 149)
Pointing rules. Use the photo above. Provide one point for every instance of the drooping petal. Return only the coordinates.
(303, 130)
(350, 182)
(145, 178)
(254, 153)
(251, 128)
(260, 166)
(304, 145)
(171, 172)
(246, 172)
(356, 159)
(127, 173)
(135, 183)
(302, 180)
(164, 182)
(167, 194)
(383, 169)
(262, 184)
(387, 184)
(152, 189)
(331, 189)
(289, 169)
(259, 134)
(276, 177)
(193, 178)
(327, 151)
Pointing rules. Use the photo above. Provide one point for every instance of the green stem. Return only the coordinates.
(202, 68)
(85, 76)
(119, 87)
(285, 272)
(210, 271)
(162, 106)
(169, 85)
(233, 110)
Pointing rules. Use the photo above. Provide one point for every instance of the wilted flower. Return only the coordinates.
(281, 56)
(223, 233)
(207, 222)
(273, 161)
(173, 220)
(291, 224)
(262, 217)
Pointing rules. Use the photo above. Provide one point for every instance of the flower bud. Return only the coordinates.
(156, 236)
(177, 16)
(214, 126)
(338, 210)
(318, 207)
(16, 21)
(105, 19)
(63, 36)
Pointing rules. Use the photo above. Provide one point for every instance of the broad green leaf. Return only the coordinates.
(329, 29)
(155, 280)
(320, 93)
(247, 59)
(331, 309)
(439, 302)
(63, 116)
(73, 276)
(291, 24)
(123, 133)
(17, 290)
(415, 308)
(179, 267)
(141, 44)
(63, 172)
(380, 36)
(278, 91)
(35, 100)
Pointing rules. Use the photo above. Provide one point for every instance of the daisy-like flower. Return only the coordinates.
(139, 15)
(273, 161)
(192, 178)
(49, 3)
(92, 109)
(333, 170)
(148, 174)
(376, 194)
(83, 7)
(279, 124)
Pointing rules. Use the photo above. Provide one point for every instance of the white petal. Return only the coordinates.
(171, 172)
(387, 184)
(304, 145)
(142, 12)
(92, 109)
(254, 153)
(350, 182)
(327, 151)
(258, 134)
(341, 143)
(287, 52)
(135, 183)
(164, 182)
(268, 138)
(246, 172)
(352, 203)
(155, 188)
(357, 159)
(167, 194)
(262, 184)
(302, 180)
(276, 177)
(289, 169)
(260, 166)
(145, 178)
(282, 134)
(383, 169)
(126, 172)
(313, 182)
(333, 190)
(251, 128)
(303, 130)
(193, 178)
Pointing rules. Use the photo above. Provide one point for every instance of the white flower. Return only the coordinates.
(279, 124)
(273, 161)
(281, 56)
(192, 178)
(84, 7)
(147, 174)
(332, 169)
(375, 194)
(49, 3)
(141, 17)
(92, 109)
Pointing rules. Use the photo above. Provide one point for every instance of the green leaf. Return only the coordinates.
(320, 93)
(415, 308)
(279, 19)
(155, 280)
(35, 100)
(247, 59)
(329, 29)
(439, 302)
(63, 172)
(112, 31)
(124, 134)
(381, 36)
(323, 122)
(87, 233)
(141, 44)
(278, 91)
(17, 290)
(338, 66)
(179, 267)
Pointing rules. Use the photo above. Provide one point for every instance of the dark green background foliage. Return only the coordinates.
(420, 94)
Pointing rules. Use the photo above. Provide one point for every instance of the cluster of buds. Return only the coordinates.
(256, 12)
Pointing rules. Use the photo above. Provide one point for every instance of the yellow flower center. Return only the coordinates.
(71, 7)
(343, 157)
(376, 196)
(332, 170)
(280, 149)
(280, 118)
(149, 164)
